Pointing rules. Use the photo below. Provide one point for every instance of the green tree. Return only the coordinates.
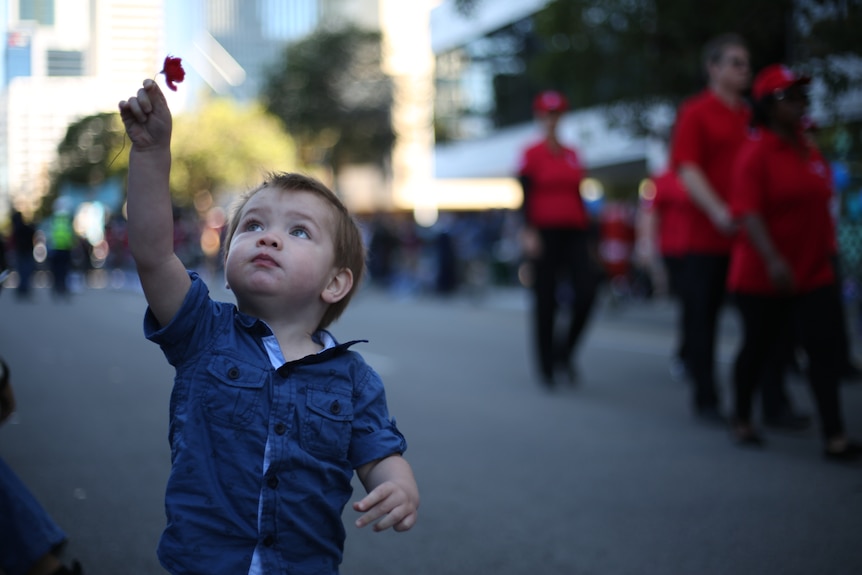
(88, 155)
(333, 97)
(634, 54)
(221, 147)
(224, 147)
(630, 54)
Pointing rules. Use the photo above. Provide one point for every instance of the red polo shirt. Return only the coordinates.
(671, 207)
(708, 134)
(554, 196)
(792, 194)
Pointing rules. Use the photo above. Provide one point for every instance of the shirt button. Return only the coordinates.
(280, 428)
(268, 540)
(233, 373)
(335, 407)
(272, 481)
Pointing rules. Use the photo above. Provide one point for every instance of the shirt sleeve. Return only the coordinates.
(189, 329)
(374, 434)
(686, 139)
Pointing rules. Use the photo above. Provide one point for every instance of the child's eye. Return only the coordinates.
(300, 233)
(253, 226)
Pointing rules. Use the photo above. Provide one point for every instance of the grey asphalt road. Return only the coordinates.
(611, 477)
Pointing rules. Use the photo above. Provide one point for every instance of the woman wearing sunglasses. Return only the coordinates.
(781, 273)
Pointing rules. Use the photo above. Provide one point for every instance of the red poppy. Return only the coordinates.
(173, 71)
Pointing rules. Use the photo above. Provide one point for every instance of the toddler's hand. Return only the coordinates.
(391, 504)
(147, 117)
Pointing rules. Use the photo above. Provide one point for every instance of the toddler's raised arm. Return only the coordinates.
(163, 276)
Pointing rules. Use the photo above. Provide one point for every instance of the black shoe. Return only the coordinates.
(744, 435)
(747, 438)
(75, 570)
(788, 421)
(710, 415)
(851, 451)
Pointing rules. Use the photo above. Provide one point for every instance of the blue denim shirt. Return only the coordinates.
(313, 421)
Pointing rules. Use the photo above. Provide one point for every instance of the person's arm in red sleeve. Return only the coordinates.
(686, 153)
(748, 186)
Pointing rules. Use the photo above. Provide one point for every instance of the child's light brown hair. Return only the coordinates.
(347, 239)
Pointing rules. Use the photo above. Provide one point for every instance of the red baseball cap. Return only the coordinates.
(550, 101)
(776, 78)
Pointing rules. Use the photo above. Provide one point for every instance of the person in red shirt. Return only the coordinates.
(556, 239)
(710, 129)
(782, 280)
(669, 210)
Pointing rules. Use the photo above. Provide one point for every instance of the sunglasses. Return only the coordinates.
(791, 95)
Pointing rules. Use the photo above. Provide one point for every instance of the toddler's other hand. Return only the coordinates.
(391, 504)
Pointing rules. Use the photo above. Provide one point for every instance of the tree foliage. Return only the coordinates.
(330, 92)
(88, 155)
(632, 53)
(225, 147)
(221, 147)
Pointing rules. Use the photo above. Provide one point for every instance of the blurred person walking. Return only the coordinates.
(556, 239)
(62, 241)
(30, 541)
(782, 280)
(23, 234)
(668, 214)
(710, 129)
(4, 263)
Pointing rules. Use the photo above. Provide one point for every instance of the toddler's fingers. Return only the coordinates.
(405, 523)
(376, 496)
(144, 101)
(133, 108)
(155, 96)
(371, 516)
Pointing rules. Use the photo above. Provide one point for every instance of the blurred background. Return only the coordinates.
(415, 112)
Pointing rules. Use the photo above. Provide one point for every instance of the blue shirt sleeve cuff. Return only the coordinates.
(377, 445)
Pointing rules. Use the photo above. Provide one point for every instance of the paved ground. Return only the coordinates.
(610, 477)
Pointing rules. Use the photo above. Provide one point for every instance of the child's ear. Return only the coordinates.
(338, 287)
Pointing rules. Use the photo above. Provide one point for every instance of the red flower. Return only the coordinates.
(173, 72)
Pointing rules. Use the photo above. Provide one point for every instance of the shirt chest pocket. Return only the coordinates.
(327, 424)
(233, 395)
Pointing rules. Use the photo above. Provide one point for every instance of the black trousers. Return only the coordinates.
(61, 262)
(775, 401)
(815, 319)
(704, 292)
(675, 268)
(566, 255)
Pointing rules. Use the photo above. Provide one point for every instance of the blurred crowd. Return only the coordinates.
(465, 252)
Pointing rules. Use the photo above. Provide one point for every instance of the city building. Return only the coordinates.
(230, 43)
(64, 61)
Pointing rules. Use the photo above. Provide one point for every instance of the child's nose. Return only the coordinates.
(268, 239)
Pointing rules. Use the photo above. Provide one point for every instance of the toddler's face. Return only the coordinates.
(282, 247)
